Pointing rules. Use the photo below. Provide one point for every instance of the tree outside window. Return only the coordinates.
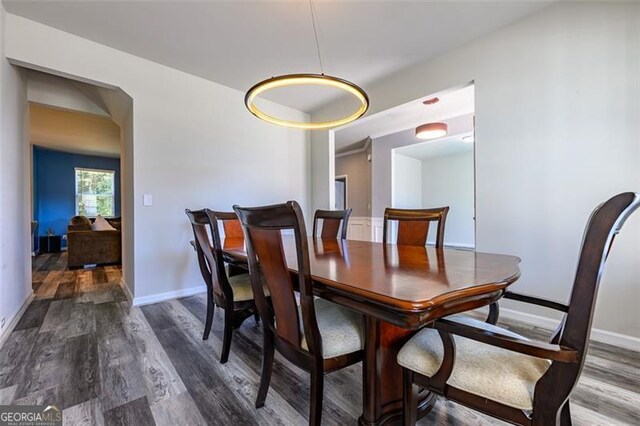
(95, 193)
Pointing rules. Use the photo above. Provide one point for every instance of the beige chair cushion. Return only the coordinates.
(497, 374)
(241, 286)
(340, 329)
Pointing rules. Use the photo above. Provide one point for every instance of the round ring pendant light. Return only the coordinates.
(289, 80)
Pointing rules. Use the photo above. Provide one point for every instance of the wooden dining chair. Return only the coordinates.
(331, 220)
(503, 374)
(317, 336)
(231, 293)
(413, 225)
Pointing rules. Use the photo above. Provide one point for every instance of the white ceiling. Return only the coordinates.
(454, 103)
(238, 43)
(73, 131)
(437, 148)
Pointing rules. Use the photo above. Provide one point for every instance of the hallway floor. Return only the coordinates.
(82, 347)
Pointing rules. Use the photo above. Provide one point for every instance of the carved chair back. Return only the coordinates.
(574, 330)
(263, 228)
(331, 220)
(413, 225)
(210, 257)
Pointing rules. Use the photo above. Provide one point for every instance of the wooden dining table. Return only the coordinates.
(397, 289)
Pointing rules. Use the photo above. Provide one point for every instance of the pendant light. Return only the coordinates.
(431, 130)
(306, 79)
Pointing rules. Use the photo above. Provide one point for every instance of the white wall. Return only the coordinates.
(382, 149)
(557, 132)
(15, 241)
(448, 181)
(357, 168)
(406, 182)
(195, 146)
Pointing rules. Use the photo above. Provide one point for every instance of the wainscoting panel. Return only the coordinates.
(365, 229)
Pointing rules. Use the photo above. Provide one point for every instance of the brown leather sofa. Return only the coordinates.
(86, 246)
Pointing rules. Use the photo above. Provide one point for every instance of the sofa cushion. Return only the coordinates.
(101, 224)
(81, 223)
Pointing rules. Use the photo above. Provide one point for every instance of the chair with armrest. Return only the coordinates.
(317, 336)
(231, 293)
(331, 220)
(413, 225)
(500, 373)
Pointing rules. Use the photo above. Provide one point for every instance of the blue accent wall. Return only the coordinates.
(54, 189)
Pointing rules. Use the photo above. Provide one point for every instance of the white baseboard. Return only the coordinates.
(13, 321)
(161, 297)
(126, 290)
(603, 336)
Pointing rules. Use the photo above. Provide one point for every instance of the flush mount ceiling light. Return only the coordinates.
(431, 130)
(290, 80)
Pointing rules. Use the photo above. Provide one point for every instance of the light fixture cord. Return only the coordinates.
(315, 33)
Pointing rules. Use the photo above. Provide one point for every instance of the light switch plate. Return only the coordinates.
(147, 200)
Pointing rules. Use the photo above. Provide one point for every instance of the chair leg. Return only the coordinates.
(228, 333)
(565, 415)
(409, 398)
(211, 306)
(317, 391)
(256, 317)
(267, 368)
(549, 416)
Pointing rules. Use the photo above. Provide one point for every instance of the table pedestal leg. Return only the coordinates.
(382, 376)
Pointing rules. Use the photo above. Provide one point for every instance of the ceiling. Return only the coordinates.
(238, 43)
(437, 148)
(62, 93)
(73, 131)
(453, 103)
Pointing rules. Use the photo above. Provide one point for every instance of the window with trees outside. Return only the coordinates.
(95, 192)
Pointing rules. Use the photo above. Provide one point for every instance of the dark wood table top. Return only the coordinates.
(405, 285)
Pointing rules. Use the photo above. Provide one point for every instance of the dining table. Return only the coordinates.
(398, 289)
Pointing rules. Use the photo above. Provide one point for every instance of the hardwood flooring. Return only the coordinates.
(82, 347)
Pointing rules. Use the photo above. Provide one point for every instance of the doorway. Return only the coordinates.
(341, 193)
(79, 139)
(385, 153)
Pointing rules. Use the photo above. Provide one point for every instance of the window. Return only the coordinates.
(95, 192)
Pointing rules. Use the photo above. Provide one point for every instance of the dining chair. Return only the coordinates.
(503, 374)
(331, 220)
(317, 336)
(230, 292)
(413, 225)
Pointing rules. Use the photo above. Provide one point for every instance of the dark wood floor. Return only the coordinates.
(80, 346)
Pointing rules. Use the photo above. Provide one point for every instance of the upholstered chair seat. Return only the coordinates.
(489, 371)
(241, 287)
(340, 329)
